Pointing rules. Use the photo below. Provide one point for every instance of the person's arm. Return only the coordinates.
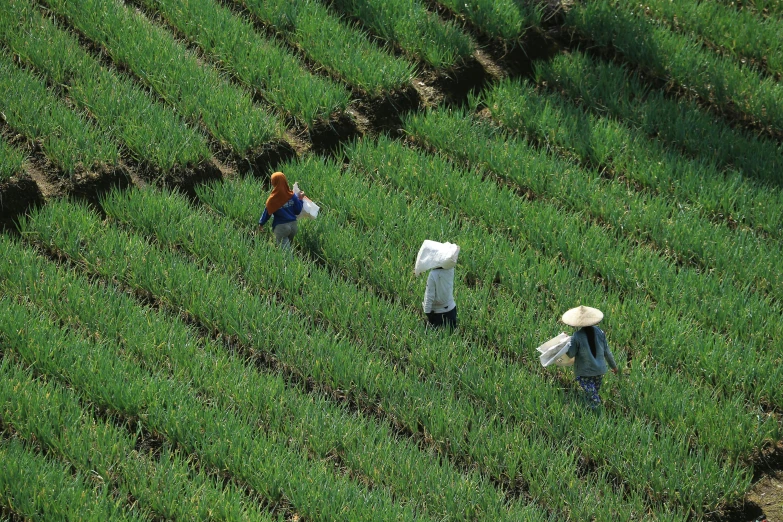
(298, 204)
(449, 285)
(429, 293)
(610, 358)
(574, 348)
(608, 354)
(264, 218)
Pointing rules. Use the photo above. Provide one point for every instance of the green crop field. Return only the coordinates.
(162, 359)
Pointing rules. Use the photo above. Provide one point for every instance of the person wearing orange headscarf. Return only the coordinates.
(283, 205)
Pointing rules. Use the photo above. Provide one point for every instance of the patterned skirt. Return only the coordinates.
(591, 385)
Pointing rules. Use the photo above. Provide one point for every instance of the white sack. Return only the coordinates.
(309, 208)
(436, 255)
(554, 351)
(554, 341)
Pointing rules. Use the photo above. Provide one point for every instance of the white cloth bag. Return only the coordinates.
(436, 255)
(554, 351)
(309, 208)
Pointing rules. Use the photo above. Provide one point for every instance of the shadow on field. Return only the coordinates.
(16, 199)
(91, 188)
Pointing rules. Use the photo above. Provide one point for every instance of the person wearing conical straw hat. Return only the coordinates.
(590, 351)
(284, 205)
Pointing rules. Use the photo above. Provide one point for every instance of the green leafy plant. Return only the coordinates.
(67, 138)
(197, 91)
(152, 133)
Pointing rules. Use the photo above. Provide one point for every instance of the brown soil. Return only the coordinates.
(766, 497)
(767, 494)
(493, 69)
(48, 187)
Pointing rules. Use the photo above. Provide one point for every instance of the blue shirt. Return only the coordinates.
(285, 214)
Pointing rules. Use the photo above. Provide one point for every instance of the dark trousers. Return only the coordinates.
(445, 319)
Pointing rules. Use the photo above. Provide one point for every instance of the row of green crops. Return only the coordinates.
(724, 196)
(481, 306)
(68, 138)
(506, 19)
(258, 63)
(676, 226)
(166, 485)
(630, 269)
(167, 67)
(740, 33)
(432, 408)
(608, 90)
(327, 40)
(153, 134)
(310, 422)
(11, 160)
(35, 488)
(412, 28)
(177, 223)
(623, 25)
(224, 440)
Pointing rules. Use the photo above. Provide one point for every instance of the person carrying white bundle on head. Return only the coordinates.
(440, 259)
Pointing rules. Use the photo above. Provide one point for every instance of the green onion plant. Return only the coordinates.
(259, 63)
(68, 138)
(197, 91)
(411, 27)
(152, 133)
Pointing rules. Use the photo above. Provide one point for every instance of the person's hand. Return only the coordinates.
(301, 194)
(614, 371)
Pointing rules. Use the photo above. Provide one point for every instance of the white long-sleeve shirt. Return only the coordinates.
(439, 295)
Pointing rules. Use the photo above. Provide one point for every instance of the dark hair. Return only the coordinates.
(592, 341)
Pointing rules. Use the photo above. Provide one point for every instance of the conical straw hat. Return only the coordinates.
(583, 316)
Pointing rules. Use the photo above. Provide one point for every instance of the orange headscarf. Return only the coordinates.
(280, 193)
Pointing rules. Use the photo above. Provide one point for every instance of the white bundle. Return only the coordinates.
(436, 255)
(309, 208)
(554, 351)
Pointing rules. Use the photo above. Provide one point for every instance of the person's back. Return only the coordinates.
(439, 296)
(439, 304)
(286, 214)
(283, 206)
(590, 352)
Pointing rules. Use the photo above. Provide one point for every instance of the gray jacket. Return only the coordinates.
(585, 363)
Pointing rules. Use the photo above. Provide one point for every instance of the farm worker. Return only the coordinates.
(589, 350)
(439, 305)
(284, 205)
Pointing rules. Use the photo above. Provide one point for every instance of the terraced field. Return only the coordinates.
(162, 359)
